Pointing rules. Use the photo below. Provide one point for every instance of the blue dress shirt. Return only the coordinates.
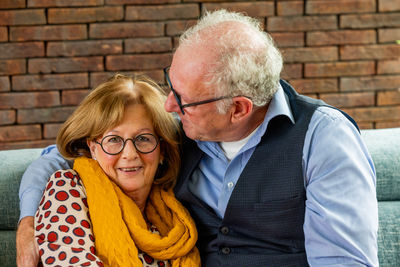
(341, 219)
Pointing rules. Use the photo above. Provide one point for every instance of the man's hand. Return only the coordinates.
(27, 248)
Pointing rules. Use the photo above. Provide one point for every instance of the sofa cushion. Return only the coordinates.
(389, 233)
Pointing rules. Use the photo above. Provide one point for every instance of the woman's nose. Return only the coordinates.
(129, 150)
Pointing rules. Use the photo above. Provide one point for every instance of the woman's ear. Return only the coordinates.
(242, 108)
(92, 147)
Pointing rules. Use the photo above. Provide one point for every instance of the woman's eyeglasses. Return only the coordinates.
(114, 144)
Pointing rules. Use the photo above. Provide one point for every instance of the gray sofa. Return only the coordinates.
(383, 144)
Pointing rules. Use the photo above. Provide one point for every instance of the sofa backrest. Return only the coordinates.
(384, 147)
(12, 165)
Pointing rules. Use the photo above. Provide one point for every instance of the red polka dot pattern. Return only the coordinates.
(64, 209)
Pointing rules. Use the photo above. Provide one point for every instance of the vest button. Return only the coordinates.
(224, 230)
(225, 250)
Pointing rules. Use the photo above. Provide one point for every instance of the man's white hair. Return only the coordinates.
(247, 61)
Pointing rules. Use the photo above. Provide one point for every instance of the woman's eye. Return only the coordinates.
(114, 140)
(142, 138)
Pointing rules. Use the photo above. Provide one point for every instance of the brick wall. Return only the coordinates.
(53, 51)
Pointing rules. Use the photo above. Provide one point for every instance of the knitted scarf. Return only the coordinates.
(120, 229)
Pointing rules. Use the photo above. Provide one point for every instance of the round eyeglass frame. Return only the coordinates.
(126, 140)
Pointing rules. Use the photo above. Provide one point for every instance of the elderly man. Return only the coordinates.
(271, 177)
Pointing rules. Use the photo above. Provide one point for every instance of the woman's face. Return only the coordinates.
(131, 170)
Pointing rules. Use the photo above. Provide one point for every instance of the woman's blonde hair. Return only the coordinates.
(104, 109)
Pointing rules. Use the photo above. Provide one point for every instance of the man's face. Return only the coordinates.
(202, 122)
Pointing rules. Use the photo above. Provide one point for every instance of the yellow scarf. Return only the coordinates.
(120, 229)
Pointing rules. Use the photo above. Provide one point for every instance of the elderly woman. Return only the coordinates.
(116, 206)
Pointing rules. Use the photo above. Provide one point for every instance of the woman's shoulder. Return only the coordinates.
(68, 174)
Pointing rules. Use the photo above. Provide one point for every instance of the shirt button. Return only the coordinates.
(230, 185)
(224, 230)
(225, 250)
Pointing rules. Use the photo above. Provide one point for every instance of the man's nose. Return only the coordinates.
(170, 104)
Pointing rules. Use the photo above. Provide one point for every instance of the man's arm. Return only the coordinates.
(341, 220)
(32, 185)
(35, 178)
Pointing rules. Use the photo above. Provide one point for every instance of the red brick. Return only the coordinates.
(60, 3)
(51, 130)
(126, 30)
(130, 2)
(365, 125)
(44, 115)
(370, 83)
(252, 9)
(389, 66)
(300, 23)
(84, 48)
(148, 45)
(175, 42)
(138, 62)
(62, 65)
(98, 77)
(21, 50)
(288, 39)
(7, 117)
(305, 86)
(73, 97)
(292, 71)
(3, 34)
(338, 69)
(53, 32)
(387, 124)
(290, 8)
(374, 114)
(310, 54)
(175, 28)
(339, 6)
(389, 5)
(370, 52)
(50, 82)
(370, 20)
(22, 17)
(342, 37)
(4, 84)
(20, 133)
(388, 35)
(4, 4)
(389, 97)
(349, 99)
(85, 15)
(26, 144)
(162, 12)
(12, 66)
(29, 100)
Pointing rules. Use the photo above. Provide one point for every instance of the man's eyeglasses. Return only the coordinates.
(178, 97)
(114, 144)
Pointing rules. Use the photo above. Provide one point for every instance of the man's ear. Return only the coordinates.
(242, 108)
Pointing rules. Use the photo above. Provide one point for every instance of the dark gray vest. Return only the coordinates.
(263, 222)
